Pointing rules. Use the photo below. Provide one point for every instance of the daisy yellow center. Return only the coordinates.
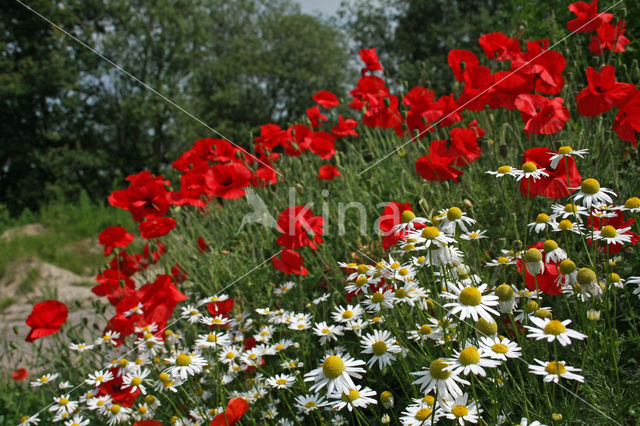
(543, 313)
(469, 356)
(586, 276)
(590, 186)
(474, 235)
(183, 360)
(377, 297)
(549, 246)
(310, 404)
(163, 377)
(264, 333)
(425, 329)
(504, 292)
(115, 409)
(430, 232)
(614, 278)
(609, 232)
(429, 400)
(403, 272)
(401, 293)
(532, 306)
(253, 356)
(408, 247)
(82, 346)
(532, 255)
(503, 259)
(379, 348)
(168, 383)
(454, 213)
(564, 150)
(362, 268)
(499, 348)
(281, 382)
(632, 203)
(459, 410)
(567, 266)
(486, 328)
(63, 401)
(347, 314)
(571, 208)
(555, 367)
(565, 224)
(351, 396)
(554, 327)
(408, 216)
(211, 338)
(423, 414)
(542, 218)
(436, 369)
(123, 363)
(470, 296)
(529, 167)
(136, 381)
(99, 378)
(100, 403)
(504, 169)
(333, 366)
(150, 399)
(361, 280)
(142, 409)
(326, 331)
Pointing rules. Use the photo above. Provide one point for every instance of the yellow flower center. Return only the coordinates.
(529, 167)
(436, 369)
(429, 400)
(403, 272)
(609, 232)
(123, 363)
(590, 186)
(430, 232)
(613, 277)
(565, 224)
(115, 409)
(543, 313)
(564, 150)
(408, 216)
(567, 266)
(532, 306)
(401, 293)
(549, 246)
(326, 331)
(474, 235)
(470, 296)
(211, 338)
(333, 366)
(142, 409)
(503, 259)
(377, 297)
(486, 328)
(408, 247)
(532, 255)
(347, 314)
(454, 213)
(351, 396)
(469, 356)
(554, 327)
(504, 292)
(183, 360)
(136, 381)
(555, 367)
(150, 399)
(361, 280)
(504, 169)
(586, 276)
(425, 329)
(63, 401)
(499, 348)
(163, 377)
(310, 404)
(632, 203)
(423, 414)
(379, 348)
(100, 403)
(542, 218)
(571, 208)
(459, 410)
(281, 382)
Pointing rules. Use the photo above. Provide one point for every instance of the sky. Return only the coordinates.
(326, 7)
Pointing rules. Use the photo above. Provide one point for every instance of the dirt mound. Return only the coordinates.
(23, 231)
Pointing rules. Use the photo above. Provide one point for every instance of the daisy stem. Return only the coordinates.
(520, 389)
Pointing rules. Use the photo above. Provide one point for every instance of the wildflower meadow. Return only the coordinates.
(398, 257)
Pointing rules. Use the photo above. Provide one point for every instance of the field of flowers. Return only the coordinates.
(410, 259)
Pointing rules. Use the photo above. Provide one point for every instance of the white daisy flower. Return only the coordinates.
(350, 313)
(553, 252)
(428, 237)
(138, 309)
(284, 288)
(218, 320)
(553, 330)
(335, 373)
(80, 347)
(542, 222)
(635, 280)
(117, 414)
(357, 326)
(327, 332)
(591, 193)
(565, 151)
(382, 345)
(530, 170)
(423, 332)
(504, 171)
(281, 381)
(470, 302)
(500, 348)
(305, 404)
(470, 360)
(108, 337)
(191, 313)
(568, 211)
(65, 385)
(632, 205)
(184, 365)
(356, 396)
(507, 299)
(100, 404)
(135, 380)
(62, 404)
(77, 420)
(461, 409)
(320, 299)
(507, 258)
(383, 298)
(99, 377)
(420, 414)
(213, 339)
(454, 217)
(436, 377)
(553, 370)
(611, 235)
(28, 421)
(474, 235)
(409, 222)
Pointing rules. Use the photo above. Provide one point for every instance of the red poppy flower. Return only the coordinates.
(542, 115)
(160, 299)
(609, 37)
(315, 116)
(462, 145)
(478, 89)
(456, 57)
(290, 262)
(271, 135)
(587, 17)
(545, 282)
(603, 92)
(419, 100)
(328, 172)
(145, 197)
(203, 246)
(627, 122)
(178, 274)
(192, 186)
(113, 284)
(147, 423)
(508, 86)
(114, 236)
(370, 59)
(299, 228)
(344, 128)
(46, 318)
(323, 145)
(156, 227)
(220, 308)
(234, 411)
(433, 167)
(499, 46)
(229, 180)
(326, 99)
(557, 184)
(543, 65)
(392, 216)
(114, 388)
(20, 374)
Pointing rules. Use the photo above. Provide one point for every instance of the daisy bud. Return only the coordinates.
(556, 417)
(533, 259)
(385, 419)
(593, 315)
(486, 328)
(543, 313)
(386, 398)
(467, 203)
